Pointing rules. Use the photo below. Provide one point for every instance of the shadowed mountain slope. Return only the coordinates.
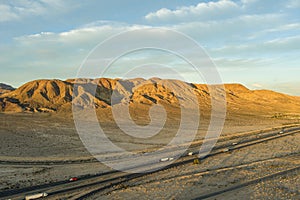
(5, 88)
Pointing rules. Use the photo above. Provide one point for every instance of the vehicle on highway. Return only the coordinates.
(36, 196)
(166, 159)
(73, 179)
(190, 153)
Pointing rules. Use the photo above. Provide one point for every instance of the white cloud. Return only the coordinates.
(275, 30)
(293, 4)
(225, 63)
(202, 11)
(57, 54)
(222, 9)
(7, 13)
(18, 9)
(279, 46)
(229, 31)
(85, 37)
(258, 6)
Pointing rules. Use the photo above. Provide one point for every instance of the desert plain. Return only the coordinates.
(40, 144)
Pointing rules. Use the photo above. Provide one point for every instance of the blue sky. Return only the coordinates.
(253, 42)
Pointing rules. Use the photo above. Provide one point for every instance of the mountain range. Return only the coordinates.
(58, 96)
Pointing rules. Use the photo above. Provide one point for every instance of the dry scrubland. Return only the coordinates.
(36, 126)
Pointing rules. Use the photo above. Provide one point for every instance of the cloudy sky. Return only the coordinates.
(253, 42)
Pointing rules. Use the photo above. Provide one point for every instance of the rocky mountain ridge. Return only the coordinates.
(57, 95)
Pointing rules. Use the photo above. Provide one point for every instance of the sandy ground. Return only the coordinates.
(41, 137)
